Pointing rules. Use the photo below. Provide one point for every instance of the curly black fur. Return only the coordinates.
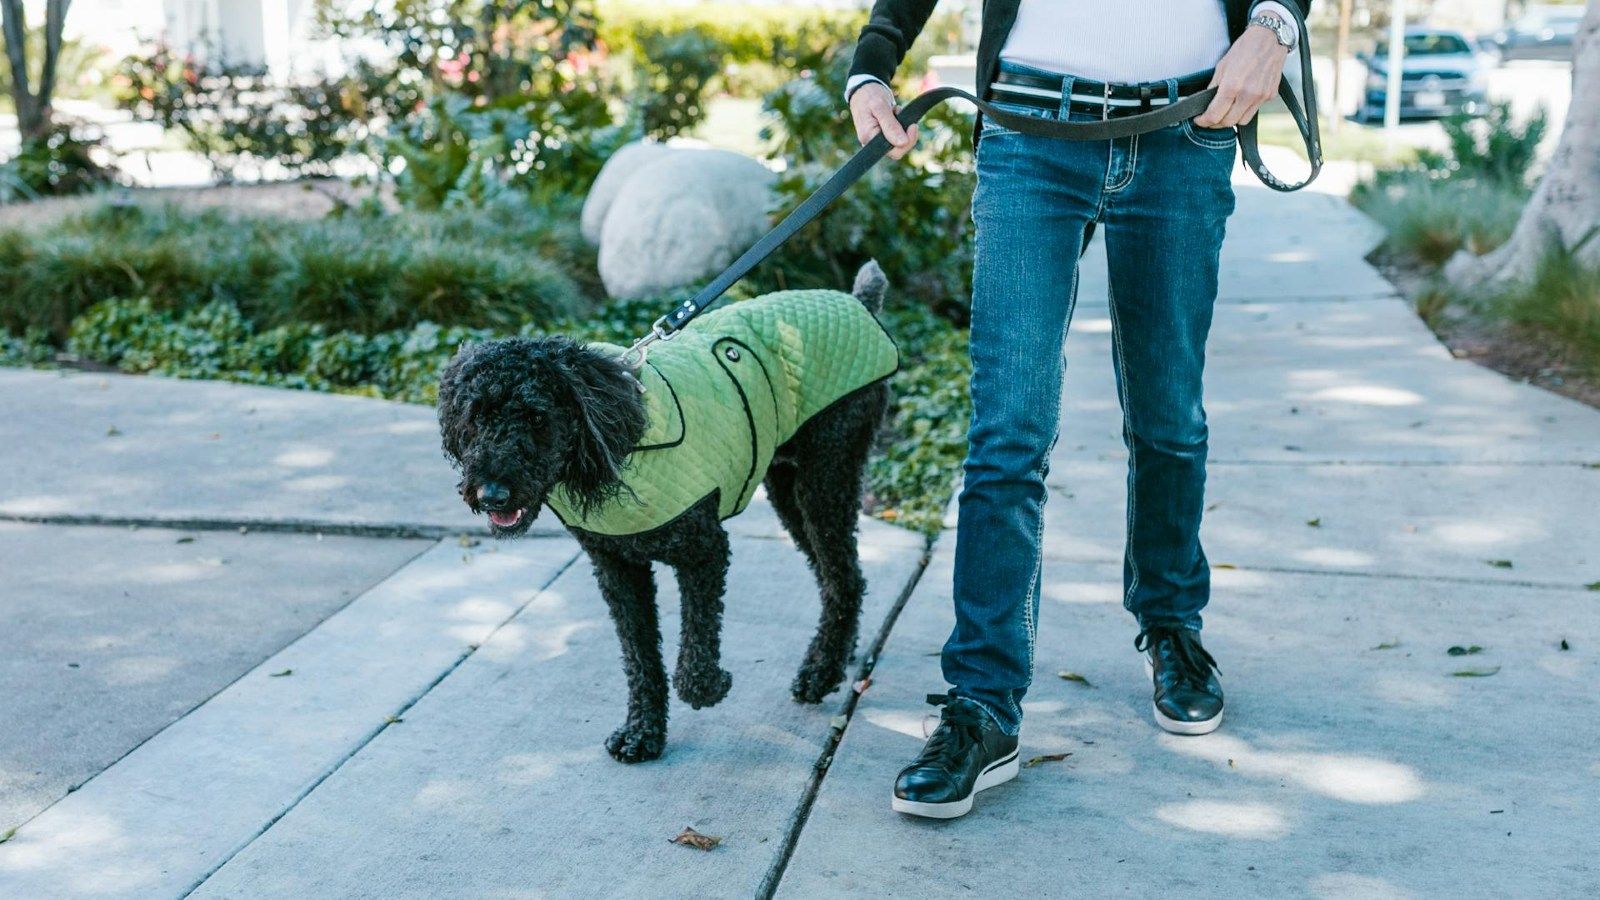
(522, 415)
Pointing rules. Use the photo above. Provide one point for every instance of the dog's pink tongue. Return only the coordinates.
(506, 519)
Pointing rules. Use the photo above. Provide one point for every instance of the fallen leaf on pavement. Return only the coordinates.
(185, 540)
(113, 431)
(1565, 645)
(1459, 650)
(838, 723)
(467, 540)
(1388, 645)
(284, 674)
(1499, 563)
(1223, 566)
(1475, 673)
(1074, 676)
(392, 720)
(862, 685)
(1592, 586)
(1048, 757)
(7, 835)
(691, 838)
(1315, 523)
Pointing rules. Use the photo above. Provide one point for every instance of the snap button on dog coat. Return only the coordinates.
(726, 392)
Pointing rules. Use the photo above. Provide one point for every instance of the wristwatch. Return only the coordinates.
(1278, 27)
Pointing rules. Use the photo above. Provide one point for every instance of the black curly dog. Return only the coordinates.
(521, 415)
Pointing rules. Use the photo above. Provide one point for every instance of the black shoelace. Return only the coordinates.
(1195, 665)
(947, 745)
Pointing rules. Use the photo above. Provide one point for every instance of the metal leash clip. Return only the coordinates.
(633, 358)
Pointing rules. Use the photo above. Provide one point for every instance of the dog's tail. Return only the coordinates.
(871, 284)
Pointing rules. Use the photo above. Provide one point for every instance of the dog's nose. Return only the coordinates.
(493, 496)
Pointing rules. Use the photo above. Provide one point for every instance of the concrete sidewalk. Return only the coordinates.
(356, 697)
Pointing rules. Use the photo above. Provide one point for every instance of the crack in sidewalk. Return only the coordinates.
(819, 771)
(1344, 573)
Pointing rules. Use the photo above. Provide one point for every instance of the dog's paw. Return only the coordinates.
(702, 690)
(634, 743)
(816, 681)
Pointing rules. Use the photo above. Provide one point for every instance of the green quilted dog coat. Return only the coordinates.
(735, 383)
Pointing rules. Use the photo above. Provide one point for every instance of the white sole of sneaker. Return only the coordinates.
(1174, 726)
(998, 772)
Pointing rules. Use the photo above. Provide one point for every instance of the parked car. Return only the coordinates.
(1544, 33)
(1442, 75)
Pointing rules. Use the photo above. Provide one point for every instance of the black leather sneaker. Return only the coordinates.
(1188, 696)
(966, 754)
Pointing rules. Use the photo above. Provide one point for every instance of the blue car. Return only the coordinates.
(1442, 75)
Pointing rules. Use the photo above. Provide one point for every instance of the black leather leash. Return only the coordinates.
(1101, 130)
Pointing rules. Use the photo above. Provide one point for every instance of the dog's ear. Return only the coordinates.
(610, 421)
(455, 401)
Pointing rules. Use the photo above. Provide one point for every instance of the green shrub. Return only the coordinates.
(786, 37)
(1429, 218)
(499, 267)
(547, 144)
(1562, 301)
(231, 113)
(57, 163)
(1494, 149)
(31, 349)
(675, 71)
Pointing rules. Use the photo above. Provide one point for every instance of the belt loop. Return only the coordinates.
(1065, 111)
(1145, 90)
(1105, 100)
(1172, 90)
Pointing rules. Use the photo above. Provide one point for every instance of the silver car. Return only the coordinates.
(1442, 75)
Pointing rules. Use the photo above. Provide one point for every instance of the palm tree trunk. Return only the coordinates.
(1565, 208)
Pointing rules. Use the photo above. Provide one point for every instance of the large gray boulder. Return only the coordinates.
(622, 165)
(680, 218)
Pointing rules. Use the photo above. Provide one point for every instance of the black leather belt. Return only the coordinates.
(1097, 98)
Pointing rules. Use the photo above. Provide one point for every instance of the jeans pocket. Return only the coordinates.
(1209, 138)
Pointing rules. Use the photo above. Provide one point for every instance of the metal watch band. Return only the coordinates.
(1277, 26)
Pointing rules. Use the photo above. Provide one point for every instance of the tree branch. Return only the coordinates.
(16, 35)
(55, 19)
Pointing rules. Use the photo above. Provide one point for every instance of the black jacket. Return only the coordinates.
(895, 24)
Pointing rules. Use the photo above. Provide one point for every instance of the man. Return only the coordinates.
(1163, 199)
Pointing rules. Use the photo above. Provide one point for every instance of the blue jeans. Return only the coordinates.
(1163, 199)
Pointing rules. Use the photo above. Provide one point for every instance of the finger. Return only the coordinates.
(889, 125)
(898, 152)
(1239, 113)
(866, 128)
(1216, 112)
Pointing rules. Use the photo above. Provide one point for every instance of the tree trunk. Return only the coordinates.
(34, 111)
(1565, 207)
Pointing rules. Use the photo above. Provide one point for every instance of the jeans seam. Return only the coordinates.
(1133, 164)
(1128, 438)
(1198, 141)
